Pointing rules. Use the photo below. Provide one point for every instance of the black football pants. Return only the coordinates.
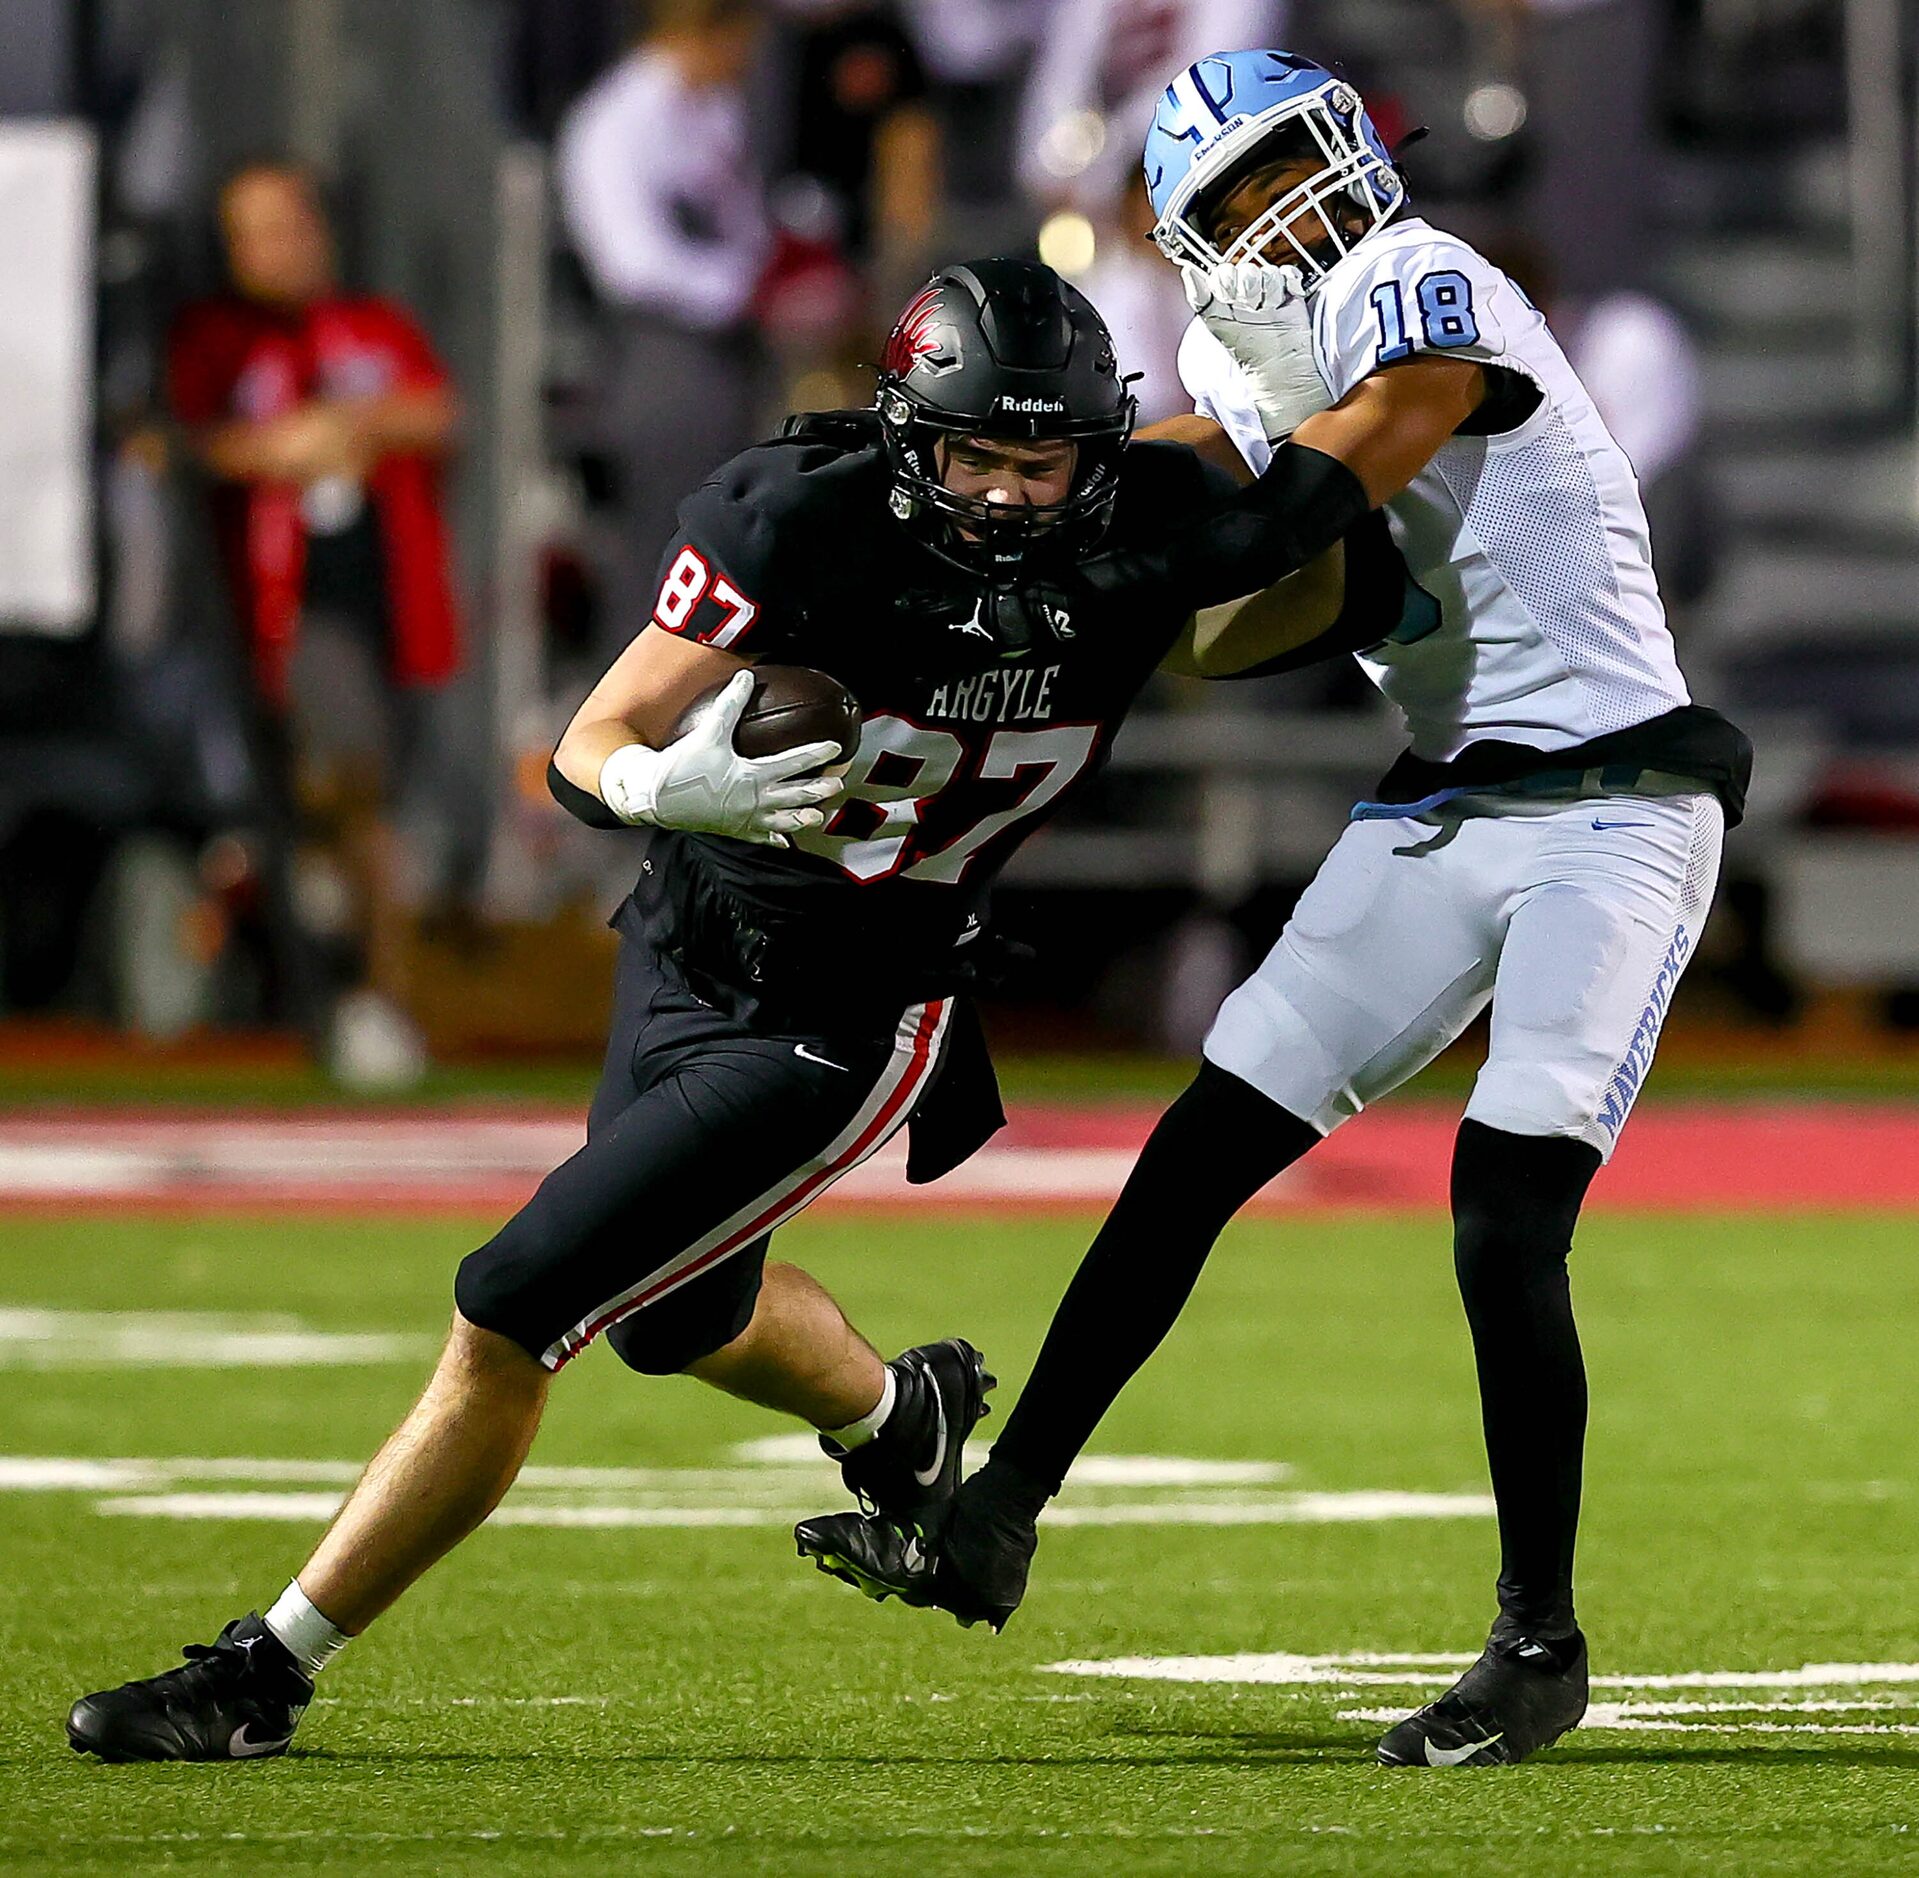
(703, 1137)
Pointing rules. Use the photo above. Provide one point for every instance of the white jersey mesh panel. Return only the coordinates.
(1537, 515)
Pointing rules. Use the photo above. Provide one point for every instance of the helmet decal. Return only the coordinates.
(916, 336)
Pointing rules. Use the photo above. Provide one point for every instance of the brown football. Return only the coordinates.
(791, 705)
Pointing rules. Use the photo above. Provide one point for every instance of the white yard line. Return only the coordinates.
(773, 1483)
(1090, 1470)
(1367, 1668)
(38, 1339)
(1298, 1509)
(783, 1510)
(1608, 1719)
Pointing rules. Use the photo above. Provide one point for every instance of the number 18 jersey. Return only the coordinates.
(1533, 541)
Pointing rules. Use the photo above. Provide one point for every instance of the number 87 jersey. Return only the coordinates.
(1530, 534)
(790, 555)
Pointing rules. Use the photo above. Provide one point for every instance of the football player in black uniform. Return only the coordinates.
(995, 570)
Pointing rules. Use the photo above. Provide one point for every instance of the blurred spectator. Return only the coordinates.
(859, 154)
(1138, 291)
(971, 42)
(1099, 71)
(974, 52)
(321, 417)
(1634, 355)
(1590, 69)
(554, 50)
(668, 214)
(1100, 67)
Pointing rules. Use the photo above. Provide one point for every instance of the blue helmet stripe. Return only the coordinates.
(1218, 106)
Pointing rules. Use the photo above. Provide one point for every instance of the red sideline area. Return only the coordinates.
(1757, 1156)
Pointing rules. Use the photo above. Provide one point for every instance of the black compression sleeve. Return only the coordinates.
(1516, 1200)
(580, 803)
(1303, 504)
(1381, 594)
(1211, 1152)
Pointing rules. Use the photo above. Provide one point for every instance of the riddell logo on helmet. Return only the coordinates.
(1029, 407)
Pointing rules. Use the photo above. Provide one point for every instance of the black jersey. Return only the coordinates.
(789, 555)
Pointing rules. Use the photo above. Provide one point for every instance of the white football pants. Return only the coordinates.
(1574, 917)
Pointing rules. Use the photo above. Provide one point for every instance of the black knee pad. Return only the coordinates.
(1516, 1200)
(704, 1315)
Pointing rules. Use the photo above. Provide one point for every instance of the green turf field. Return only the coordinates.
(672, 1697)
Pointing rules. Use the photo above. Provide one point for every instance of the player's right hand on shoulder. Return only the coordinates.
(700, 783)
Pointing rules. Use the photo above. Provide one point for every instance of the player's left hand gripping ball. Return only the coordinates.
(1262, 317)
(700, 782)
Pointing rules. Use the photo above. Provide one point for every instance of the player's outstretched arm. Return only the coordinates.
(1394, 422)
(1208, 440)
(1230, 641)
(1355, 595)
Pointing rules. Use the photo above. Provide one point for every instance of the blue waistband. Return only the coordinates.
(1613, 778)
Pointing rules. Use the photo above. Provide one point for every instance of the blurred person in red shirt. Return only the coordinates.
(322, 418)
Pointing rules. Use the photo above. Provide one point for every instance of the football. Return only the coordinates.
(791, 705)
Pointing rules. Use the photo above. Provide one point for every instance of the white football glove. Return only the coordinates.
(700, 782)
(1262, 317)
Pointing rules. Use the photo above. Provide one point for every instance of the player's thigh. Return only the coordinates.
(703, 1164)
(1596, 944)
(1387, 958)
(639, 986)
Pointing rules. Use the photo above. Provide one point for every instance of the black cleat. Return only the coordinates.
(973, 1564)
(1521, 1696)
(238, 1698)
(913, 1464)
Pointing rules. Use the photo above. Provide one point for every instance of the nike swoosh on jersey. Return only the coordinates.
(927, 1475)
(800, 1049)
(1455, 1757)
(1601, 827)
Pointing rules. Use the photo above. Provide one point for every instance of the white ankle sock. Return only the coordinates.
(311, 1639)
(858, 1434)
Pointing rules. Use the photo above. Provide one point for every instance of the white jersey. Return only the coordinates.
(1533, 542)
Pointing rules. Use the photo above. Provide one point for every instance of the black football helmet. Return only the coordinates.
(1003, 348)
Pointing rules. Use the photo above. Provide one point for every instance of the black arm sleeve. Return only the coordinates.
(580, 803)
(1303, 504)
(1381, 598)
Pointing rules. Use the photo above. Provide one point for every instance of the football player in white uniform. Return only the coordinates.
(1549, 845)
